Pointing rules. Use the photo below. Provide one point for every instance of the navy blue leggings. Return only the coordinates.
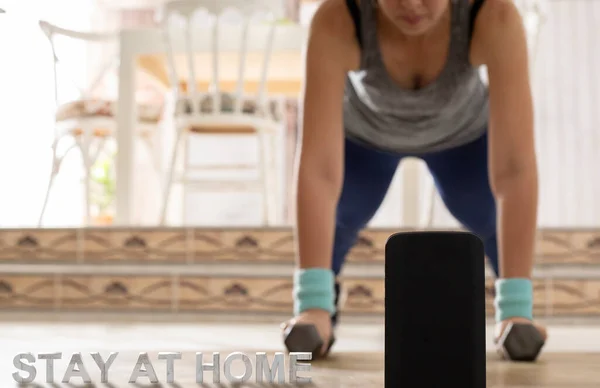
(461, 178)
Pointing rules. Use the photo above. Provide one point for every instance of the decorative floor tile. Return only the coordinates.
(234, 294)
(246, 291)
(130, 245)
(28, 291)
(98, 292)
(273, 245)
(155, 245)
(575, 297)
(39, 245)
(99, 245)
(365, 296)
(568, 247)
(93, 292)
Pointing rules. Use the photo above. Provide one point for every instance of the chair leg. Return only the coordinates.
(152, 155)
(170, 172)
(56, 162)
(263, 176)
(85, 148)
(88, 194)
(275, 182)
(53, 174)
(184, 155)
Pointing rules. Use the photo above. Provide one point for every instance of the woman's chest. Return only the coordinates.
(415, 66)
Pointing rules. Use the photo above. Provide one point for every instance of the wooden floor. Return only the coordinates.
(571, 360)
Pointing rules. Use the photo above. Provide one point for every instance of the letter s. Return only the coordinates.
(20, 365)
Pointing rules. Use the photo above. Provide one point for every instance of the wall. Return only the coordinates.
(27, 111)
(567, 96)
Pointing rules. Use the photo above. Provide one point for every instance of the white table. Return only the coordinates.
(133, 42)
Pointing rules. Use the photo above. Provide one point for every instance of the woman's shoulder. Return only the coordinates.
(499, 12)
(495, 21)
(332, 19)
(333, 26)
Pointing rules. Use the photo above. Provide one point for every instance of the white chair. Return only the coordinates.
(534, 14)
(87, 121)
(220, 113)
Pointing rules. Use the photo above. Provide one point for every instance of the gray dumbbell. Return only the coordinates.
(303, 337)
(520, 342)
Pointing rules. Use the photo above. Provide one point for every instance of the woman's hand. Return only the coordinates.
(321, 319)
(501, 326)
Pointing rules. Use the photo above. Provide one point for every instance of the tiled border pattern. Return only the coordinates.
(94, 290)
(194, 245)
(174, 293)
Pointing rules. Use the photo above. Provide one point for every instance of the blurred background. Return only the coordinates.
(97, 214)
(564, 58)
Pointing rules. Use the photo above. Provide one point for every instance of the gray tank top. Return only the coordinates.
(449, 112)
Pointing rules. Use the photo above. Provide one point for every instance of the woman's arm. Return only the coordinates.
(320, 164)
(513, 166)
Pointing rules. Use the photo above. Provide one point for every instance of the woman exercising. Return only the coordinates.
(386, 79)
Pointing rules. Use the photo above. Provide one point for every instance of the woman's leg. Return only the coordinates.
(461, 177)
(367, 177)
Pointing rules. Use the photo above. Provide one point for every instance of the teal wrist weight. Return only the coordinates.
(514, 298)
(314, 289)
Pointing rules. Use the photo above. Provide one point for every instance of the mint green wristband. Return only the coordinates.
(314, 289)
(514, 298)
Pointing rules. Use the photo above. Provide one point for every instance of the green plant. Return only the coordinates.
(103, 177)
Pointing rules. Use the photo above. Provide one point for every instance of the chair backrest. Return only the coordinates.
(215, 27)
(93, 68)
